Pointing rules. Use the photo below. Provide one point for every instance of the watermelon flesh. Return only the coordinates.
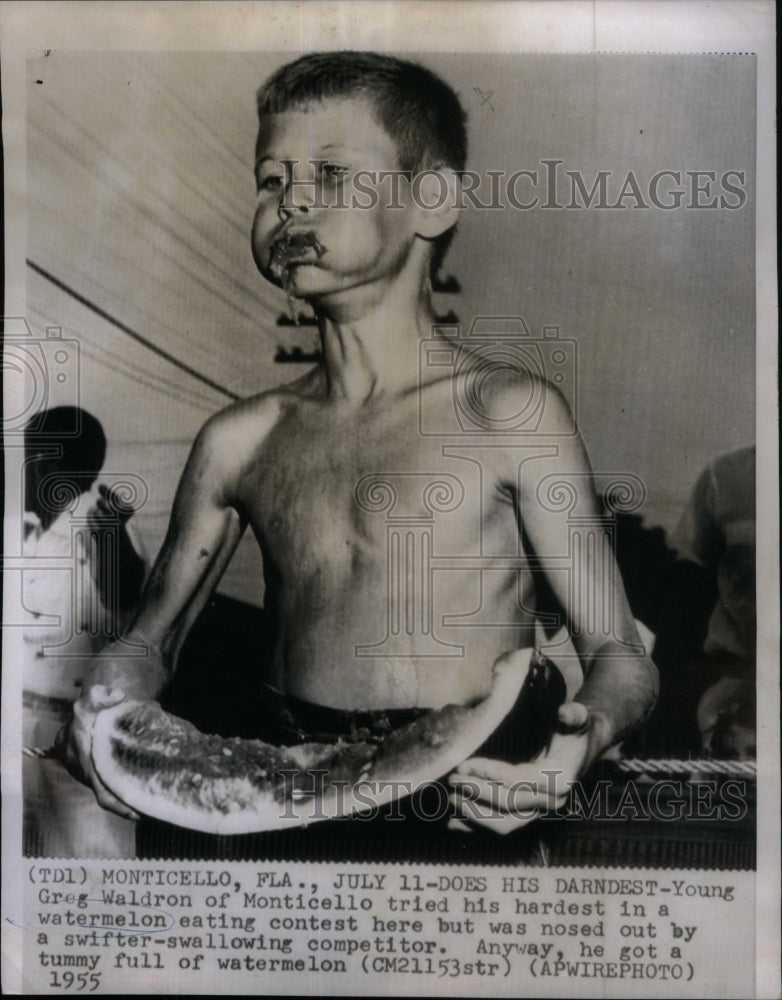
(291, 246)
(165, 768)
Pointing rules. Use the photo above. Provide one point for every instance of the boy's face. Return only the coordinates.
(362, 244)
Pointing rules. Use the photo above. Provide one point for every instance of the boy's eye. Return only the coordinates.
(334, 171)
(271, 183)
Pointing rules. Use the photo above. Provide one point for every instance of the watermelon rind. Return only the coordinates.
(163, 767)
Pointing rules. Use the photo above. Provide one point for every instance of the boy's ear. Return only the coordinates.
(437, 196)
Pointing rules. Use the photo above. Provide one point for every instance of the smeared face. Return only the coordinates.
(313, 232)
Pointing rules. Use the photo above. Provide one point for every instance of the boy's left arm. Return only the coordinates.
(620, 681)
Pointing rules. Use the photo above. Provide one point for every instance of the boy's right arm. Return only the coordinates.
(203, 533)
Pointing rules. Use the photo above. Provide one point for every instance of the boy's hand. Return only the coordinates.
(505, 797)
(75, 744)
(112, 677)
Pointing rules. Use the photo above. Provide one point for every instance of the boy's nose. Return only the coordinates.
(289, 206)
(300, 193)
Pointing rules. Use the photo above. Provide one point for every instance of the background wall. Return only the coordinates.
(140, 201)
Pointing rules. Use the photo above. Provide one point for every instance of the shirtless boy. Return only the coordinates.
(289, 463)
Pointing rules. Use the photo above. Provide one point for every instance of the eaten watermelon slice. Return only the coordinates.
(163, 767)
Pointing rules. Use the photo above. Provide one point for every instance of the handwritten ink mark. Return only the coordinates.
(13, 923)
(485, 97)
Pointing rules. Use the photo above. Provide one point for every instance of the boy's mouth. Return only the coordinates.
(290, 248)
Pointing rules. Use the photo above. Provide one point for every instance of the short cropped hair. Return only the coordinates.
(418, 110)
(83, 452)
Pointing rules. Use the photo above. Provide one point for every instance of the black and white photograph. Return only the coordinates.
(386, 573)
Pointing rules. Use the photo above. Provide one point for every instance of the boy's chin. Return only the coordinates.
(309, 282)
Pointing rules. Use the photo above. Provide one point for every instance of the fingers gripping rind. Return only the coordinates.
(79, 747)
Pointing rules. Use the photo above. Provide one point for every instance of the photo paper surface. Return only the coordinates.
(390, 589)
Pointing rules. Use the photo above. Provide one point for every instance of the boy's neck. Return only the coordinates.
(370, 336)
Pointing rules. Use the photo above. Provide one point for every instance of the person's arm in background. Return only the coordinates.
(716, 537)
(690, 593)
(117, 571)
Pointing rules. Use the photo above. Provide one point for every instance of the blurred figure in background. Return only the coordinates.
(717, 532)
(706, 646)
(84, 577)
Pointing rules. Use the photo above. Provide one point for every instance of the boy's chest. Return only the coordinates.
(350, 477)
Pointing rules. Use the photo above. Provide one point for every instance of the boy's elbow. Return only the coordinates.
(653, 684)
(645, 690)
(635, 691)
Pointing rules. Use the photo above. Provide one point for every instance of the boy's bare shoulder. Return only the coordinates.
(231, 436)
(517, 400)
